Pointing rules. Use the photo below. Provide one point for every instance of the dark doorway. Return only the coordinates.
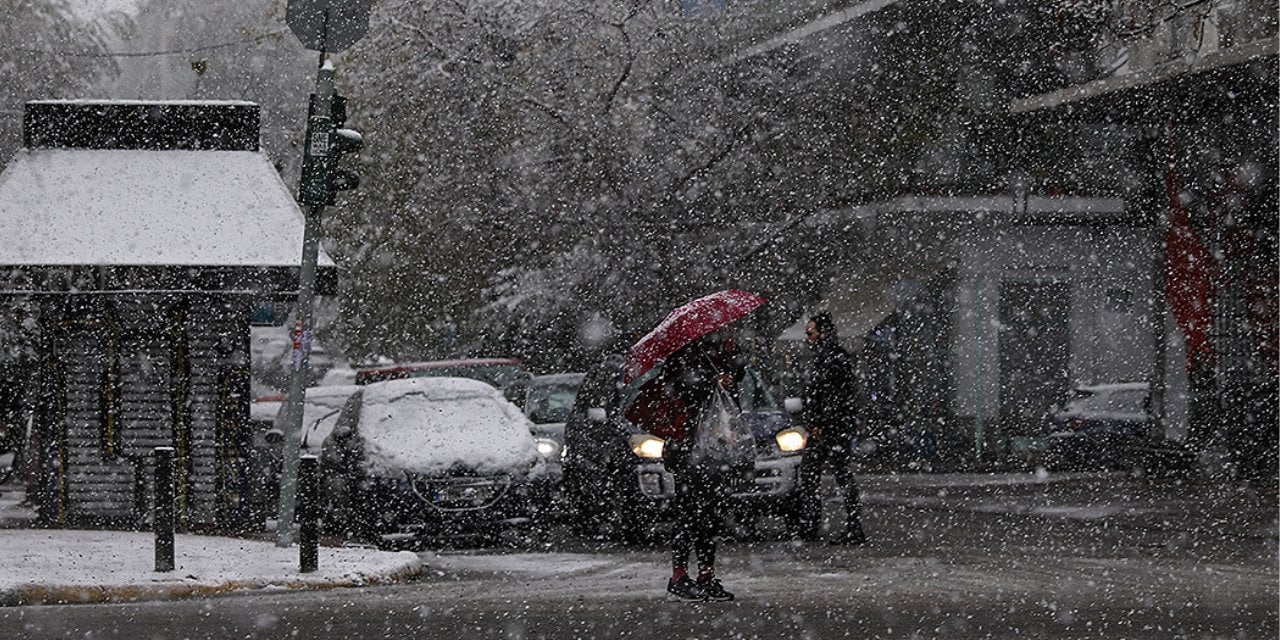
(1035, 355)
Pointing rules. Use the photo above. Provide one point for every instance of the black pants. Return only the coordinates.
(699, 509)
(821, 453)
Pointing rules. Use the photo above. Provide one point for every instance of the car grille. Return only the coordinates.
(767, 449)
(461, 494)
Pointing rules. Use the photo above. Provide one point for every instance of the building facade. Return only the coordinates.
(141, 237)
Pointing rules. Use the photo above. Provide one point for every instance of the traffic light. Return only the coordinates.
(343, 142)
(327, 143)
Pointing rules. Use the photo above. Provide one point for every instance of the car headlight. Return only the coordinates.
(549, 448)
(792, 440)
(647, 446)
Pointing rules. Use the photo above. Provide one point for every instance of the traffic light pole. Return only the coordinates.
(312, 194)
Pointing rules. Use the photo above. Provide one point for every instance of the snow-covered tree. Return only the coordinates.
(45, 52)
(198, 50)
(536, 170)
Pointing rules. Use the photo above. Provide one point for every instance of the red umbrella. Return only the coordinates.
(648, 406)
(686, 324)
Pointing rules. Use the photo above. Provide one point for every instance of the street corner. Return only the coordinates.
(81, 567)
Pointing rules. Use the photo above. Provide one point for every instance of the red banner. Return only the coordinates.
(1189, 272)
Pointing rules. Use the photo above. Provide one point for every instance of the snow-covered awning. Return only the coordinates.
(139, 218)
(1166, 91)
(223, 211)
(856, 306)
(860, 300)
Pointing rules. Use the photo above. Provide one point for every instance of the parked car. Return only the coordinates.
(427, 457)
(499, 372)
(266, 414)
(548, 401)
(614, 477)
(1103, 426)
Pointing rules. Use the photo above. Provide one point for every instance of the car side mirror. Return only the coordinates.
(793, 405)
(597, 414)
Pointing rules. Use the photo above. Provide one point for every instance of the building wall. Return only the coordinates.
(1108, 271)
(125, 374)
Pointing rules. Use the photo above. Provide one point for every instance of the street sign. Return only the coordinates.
(328, 25)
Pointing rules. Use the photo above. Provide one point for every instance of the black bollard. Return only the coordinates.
(164, 508)
(308, 514)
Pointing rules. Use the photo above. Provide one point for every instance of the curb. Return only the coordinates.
(38, 594)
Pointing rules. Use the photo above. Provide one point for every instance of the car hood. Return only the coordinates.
(471, 434)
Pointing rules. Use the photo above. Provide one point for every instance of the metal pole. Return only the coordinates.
(308, 529)
(319, 129)
(164, 508)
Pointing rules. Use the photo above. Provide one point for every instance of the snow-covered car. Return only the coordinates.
(1103, 426)
(428, 457)
(614, 478)
(548, 401)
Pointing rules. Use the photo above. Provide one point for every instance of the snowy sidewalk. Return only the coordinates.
(57, 566)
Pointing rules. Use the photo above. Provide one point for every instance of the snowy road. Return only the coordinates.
(1010, 561)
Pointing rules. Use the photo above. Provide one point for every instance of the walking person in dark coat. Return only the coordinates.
(830, 406)
(702, 492)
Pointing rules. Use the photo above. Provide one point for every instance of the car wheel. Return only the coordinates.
(623, 525)
(792, 518)
(746, 524)
(346, 515)
(335, 509)
(623, 522)
(584, 518)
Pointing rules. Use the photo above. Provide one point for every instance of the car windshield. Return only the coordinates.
(1109, 401)
(551, 402)
(754, 393)
(320, 409)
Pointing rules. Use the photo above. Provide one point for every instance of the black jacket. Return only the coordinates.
(691, 374)
(831, 391)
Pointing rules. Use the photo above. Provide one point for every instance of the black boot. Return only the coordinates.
(713, 590)
(853, 534)
(686, 589)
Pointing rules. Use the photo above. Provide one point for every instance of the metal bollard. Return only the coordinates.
(308, 514)
(164, 508)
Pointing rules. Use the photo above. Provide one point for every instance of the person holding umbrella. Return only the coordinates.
(673, 374)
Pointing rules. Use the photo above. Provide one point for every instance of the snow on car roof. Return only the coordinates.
(440, 364)
(264, 410)
(331, 391)
(1113, 387)
(558, 378)
(434, 388)
(430, 425)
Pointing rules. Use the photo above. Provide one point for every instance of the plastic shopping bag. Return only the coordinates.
(722, 439)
